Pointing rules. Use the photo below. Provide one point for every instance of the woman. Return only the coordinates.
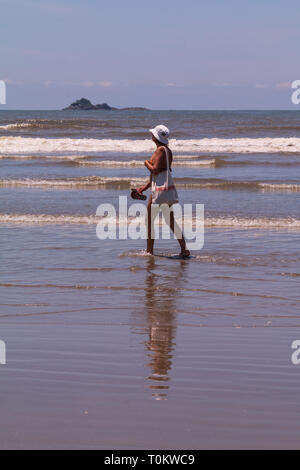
(158, 164)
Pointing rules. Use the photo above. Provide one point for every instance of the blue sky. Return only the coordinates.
(168, 54)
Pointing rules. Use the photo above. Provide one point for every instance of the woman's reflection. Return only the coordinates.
(161, 295)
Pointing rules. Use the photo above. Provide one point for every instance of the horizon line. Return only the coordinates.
(127, 108)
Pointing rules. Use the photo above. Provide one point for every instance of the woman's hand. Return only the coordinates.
(148, 164)
(144, 188)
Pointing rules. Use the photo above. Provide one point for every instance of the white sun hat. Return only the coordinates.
(161, 133)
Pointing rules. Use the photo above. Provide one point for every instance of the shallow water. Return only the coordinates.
(110, 348)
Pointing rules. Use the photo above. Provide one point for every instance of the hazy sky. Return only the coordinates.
(187, 54)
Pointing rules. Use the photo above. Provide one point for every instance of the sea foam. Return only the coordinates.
(230, 222)
(37, 145)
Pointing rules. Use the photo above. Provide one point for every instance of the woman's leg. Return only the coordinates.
(184, 252)
(150, 227)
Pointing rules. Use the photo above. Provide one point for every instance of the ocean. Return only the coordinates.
(109, 348)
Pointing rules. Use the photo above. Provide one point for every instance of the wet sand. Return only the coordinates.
(109, 349)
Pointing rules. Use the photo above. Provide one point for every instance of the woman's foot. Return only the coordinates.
(184, 254)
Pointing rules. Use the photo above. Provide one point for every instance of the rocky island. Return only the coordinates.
(85, 105)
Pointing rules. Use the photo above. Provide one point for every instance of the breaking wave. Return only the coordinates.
(128, 182)
(80, 182)
(37, 145)
(59, 158)
(17, 125)
(140, 163)
(285, 223)
(183, 161)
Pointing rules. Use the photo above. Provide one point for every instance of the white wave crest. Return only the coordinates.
(128, 182)
(37, 145)
(230, 222)
(89, 181)
(255, 222)
(286, 187)
(62, 158)
(16, 125)
(140, 163)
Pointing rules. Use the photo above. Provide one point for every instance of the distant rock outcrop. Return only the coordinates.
(103, 106)
(85, 105)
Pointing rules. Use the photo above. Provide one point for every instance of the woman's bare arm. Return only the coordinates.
(147, 186)
(157, 162)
